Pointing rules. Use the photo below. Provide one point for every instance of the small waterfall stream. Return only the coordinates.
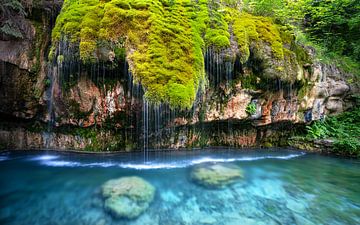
(146, 125)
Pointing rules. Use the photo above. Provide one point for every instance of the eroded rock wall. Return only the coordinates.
(74, 105)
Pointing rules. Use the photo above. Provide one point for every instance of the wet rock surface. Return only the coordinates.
(102, 95)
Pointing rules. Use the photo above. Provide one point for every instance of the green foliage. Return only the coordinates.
(263, 7)
(318, 130)
(249, 82)
(47, 83)
(344, 129)
(332, 26)
(327, 56)
(251, 108)
(335, 24)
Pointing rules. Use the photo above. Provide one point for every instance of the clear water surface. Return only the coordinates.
(279, 187)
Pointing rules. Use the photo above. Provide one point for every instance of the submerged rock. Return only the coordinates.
(216, 175)
(127, 197)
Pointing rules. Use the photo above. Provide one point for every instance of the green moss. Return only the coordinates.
(37, 93)
(47, 83)
(36, 127)
(39, 39)
(217, 33)
(305, 88)
(120, 53)
(248, 82)
(60, 59)
(163, 41)
(250, 29)
(77, 113)
(267, 145)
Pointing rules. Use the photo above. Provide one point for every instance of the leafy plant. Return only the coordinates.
(47, 82)
(332, 25)
(344, 129)
(317, 130)
(251, 108)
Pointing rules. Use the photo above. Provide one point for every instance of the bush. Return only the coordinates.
(344, 129)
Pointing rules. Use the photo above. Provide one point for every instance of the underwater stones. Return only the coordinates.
(170, 197)
(216, 175)
(127, 197)
(206, 219)
(296, 205)
(269, 189)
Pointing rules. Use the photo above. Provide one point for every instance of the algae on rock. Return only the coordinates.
(165, 41)
(127, 197)
(216, 175)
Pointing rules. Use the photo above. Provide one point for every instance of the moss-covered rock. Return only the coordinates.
(216, 175)
(127, 197)
(165, 41)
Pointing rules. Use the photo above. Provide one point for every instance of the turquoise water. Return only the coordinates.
(279, 187)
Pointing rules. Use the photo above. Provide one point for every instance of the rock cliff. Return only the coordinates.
(257, 95)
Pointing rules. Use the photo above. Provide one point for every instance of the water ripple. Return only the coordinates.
(49, 161)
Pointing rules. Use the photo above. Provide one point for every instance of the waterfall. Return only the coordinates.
(146, 128)
(145, 125)
(229, 68)
(53, 78)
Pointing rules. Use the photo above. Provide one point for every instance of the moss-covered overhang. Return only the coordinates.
(165, 41)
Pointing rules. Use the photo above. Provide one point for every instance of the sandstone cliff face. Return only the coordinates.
(70, 105)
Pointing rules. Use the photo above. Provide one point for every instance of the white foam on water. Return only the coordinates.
(3, 158)
(148, 166)
(44, 157)
(208, 160)
(100, 164)
(61, 163)
(155, 165)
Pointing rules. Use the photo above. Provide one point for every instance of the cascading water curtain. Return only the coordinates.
(146, 128)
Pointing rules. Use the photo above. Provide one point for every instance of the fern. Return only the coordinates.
(344, 129)
(10, 29)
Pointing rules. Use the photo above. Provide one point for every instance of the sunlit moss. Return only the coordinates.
(251, 29)
(163, 41)
(217, 32)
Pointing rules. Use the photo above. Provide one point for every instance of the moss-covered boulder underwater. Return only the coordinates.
(127, 197)
(123, 75)
(216, 175)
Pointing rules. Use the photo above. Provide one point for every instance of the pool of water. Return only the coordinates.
(279, 187)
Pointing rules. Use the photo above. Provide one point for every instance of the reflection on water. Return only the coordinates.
(279, 187)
